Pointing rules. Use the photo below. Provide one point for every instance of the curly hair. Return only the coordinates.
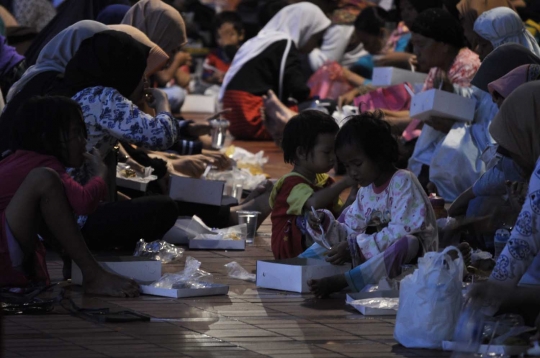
(371, 133)
(302, 130)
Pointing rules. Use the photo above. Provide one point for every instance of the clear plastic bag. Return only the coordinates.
(191, 277)
(236, 271)
(378, 302)
(237, 232)
(158, 250)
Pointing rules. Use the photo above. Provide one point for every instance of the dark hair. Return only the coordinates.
(302, 130)
(229, 17)
(42, 125)
(371, 20)
(371, 133)
(269, 10)
(441, 26)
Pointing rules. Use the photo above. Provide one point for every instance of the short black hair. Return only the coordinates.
(42, 125)
(441, 26)
(371, 20)
(302, 130)
(371, 133)
(229, 17)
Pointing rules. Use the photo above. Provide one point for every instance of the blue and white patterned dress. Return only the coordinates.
(524, 243)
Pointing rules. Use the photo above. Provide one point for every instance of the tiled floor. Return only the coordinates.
(249, 322)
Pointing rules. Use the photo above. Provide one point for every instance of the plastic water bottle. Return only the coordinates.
(501, 238)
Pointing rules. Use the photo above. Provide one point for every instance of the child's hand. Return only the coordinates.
(315, 220)
(517, 193)
(96, 163)
(339, 254)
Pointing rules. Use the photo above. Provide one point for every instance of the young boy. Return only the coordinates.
(229, 36)
(308, 144)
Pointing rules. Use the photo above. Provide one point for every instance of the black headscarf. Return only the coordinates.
(423, 5)
(69, 12)
(110, 59)
(441, 26)
(502, 60)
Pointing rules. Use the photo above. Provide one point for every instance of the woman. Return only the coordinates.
(470, 10)
(12, 66)
(113, 14)
(438, 44)
(499, 26)
(164, 25)
(69, 13)
(31, 13)
(270, 62)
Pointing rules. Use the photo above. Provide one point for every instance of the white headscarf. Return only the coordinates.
(503, 25)
(297, 22)
(58, 52)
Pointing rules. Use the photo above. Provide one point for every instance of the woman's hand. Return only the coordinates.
(315, 220)
(339, 254)
(198, 129)
(135, 166)
(517, 193)
(192, 165)
(221, 161)
(157, 99)
(97, 165)
(348, 97)
(440, 124)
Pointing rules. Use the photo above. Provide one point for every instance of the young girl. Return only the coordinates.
(391, 222)
(308, 144)
(50, 135)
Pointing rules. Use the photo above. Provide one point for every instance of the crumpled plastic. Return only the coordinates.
(145, 177)
(236, 271)
(478, 255)
(342, 116)
(247, 160)
(237, 232)
(378, 302)
(158, 250)
(243, 176)
(191, 277)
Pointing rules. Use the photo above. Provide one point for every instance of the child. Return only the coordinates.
(50, 135)
(391, 222)
(229, 36)
(308, 144)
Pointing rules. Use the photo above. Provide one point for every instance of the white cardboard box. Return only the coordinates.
(496, 349)
(196, 103)
(132, 184)
(368, 311)
(137, 268)
(388, 76)
(215, 290)
(293, 274)
(179, 234)
(442, 104)
(209, 244)
(197, 191)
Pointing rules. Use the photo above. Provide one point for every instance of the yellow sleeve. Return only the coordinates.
(298, 197)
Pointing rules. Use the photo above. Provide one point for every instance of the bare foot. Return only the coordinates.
(276, 114)
(265, 186)
(109, 284)
(325, 286)
(259, 203)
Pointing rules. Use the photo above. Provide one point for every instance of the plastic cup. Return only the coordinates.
(238, 188)
(250, 219)
(219, 132)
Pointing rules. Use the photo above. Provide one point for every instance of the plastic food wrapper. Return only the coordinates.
(191, 277)
(244, 159)
(341, 116)
(236, 271)
(478, 255)
(378, 302)
(247, 178)
(158, 250)
(385, 284)
(237, 232)
(125, 172)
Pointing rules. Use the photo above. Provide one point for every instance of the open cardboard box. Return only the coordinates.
(138, 268)
(443, 104)
(388, 76)
(293, 274)
(215, 290)
(368, 311)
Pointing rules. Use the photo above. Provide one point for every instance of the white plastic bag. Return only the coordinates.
(430, 301)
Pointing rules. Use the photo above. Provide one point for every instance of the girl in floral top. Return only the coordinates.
(391, 222)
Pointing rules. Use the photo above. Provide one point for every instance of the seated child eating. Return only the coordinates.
(229, 36)
(50, 135)
(390, 223)
(308, 144)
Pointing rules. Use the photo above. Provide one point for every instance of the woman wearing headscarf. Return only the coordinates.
(12, 66)
(502, 88)
(439, 44)
(470, 10)
(502, 25)
(489, 190)
(113, 14)
(270, 61)
(164, 25)
(70, 12)
(31, 13)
